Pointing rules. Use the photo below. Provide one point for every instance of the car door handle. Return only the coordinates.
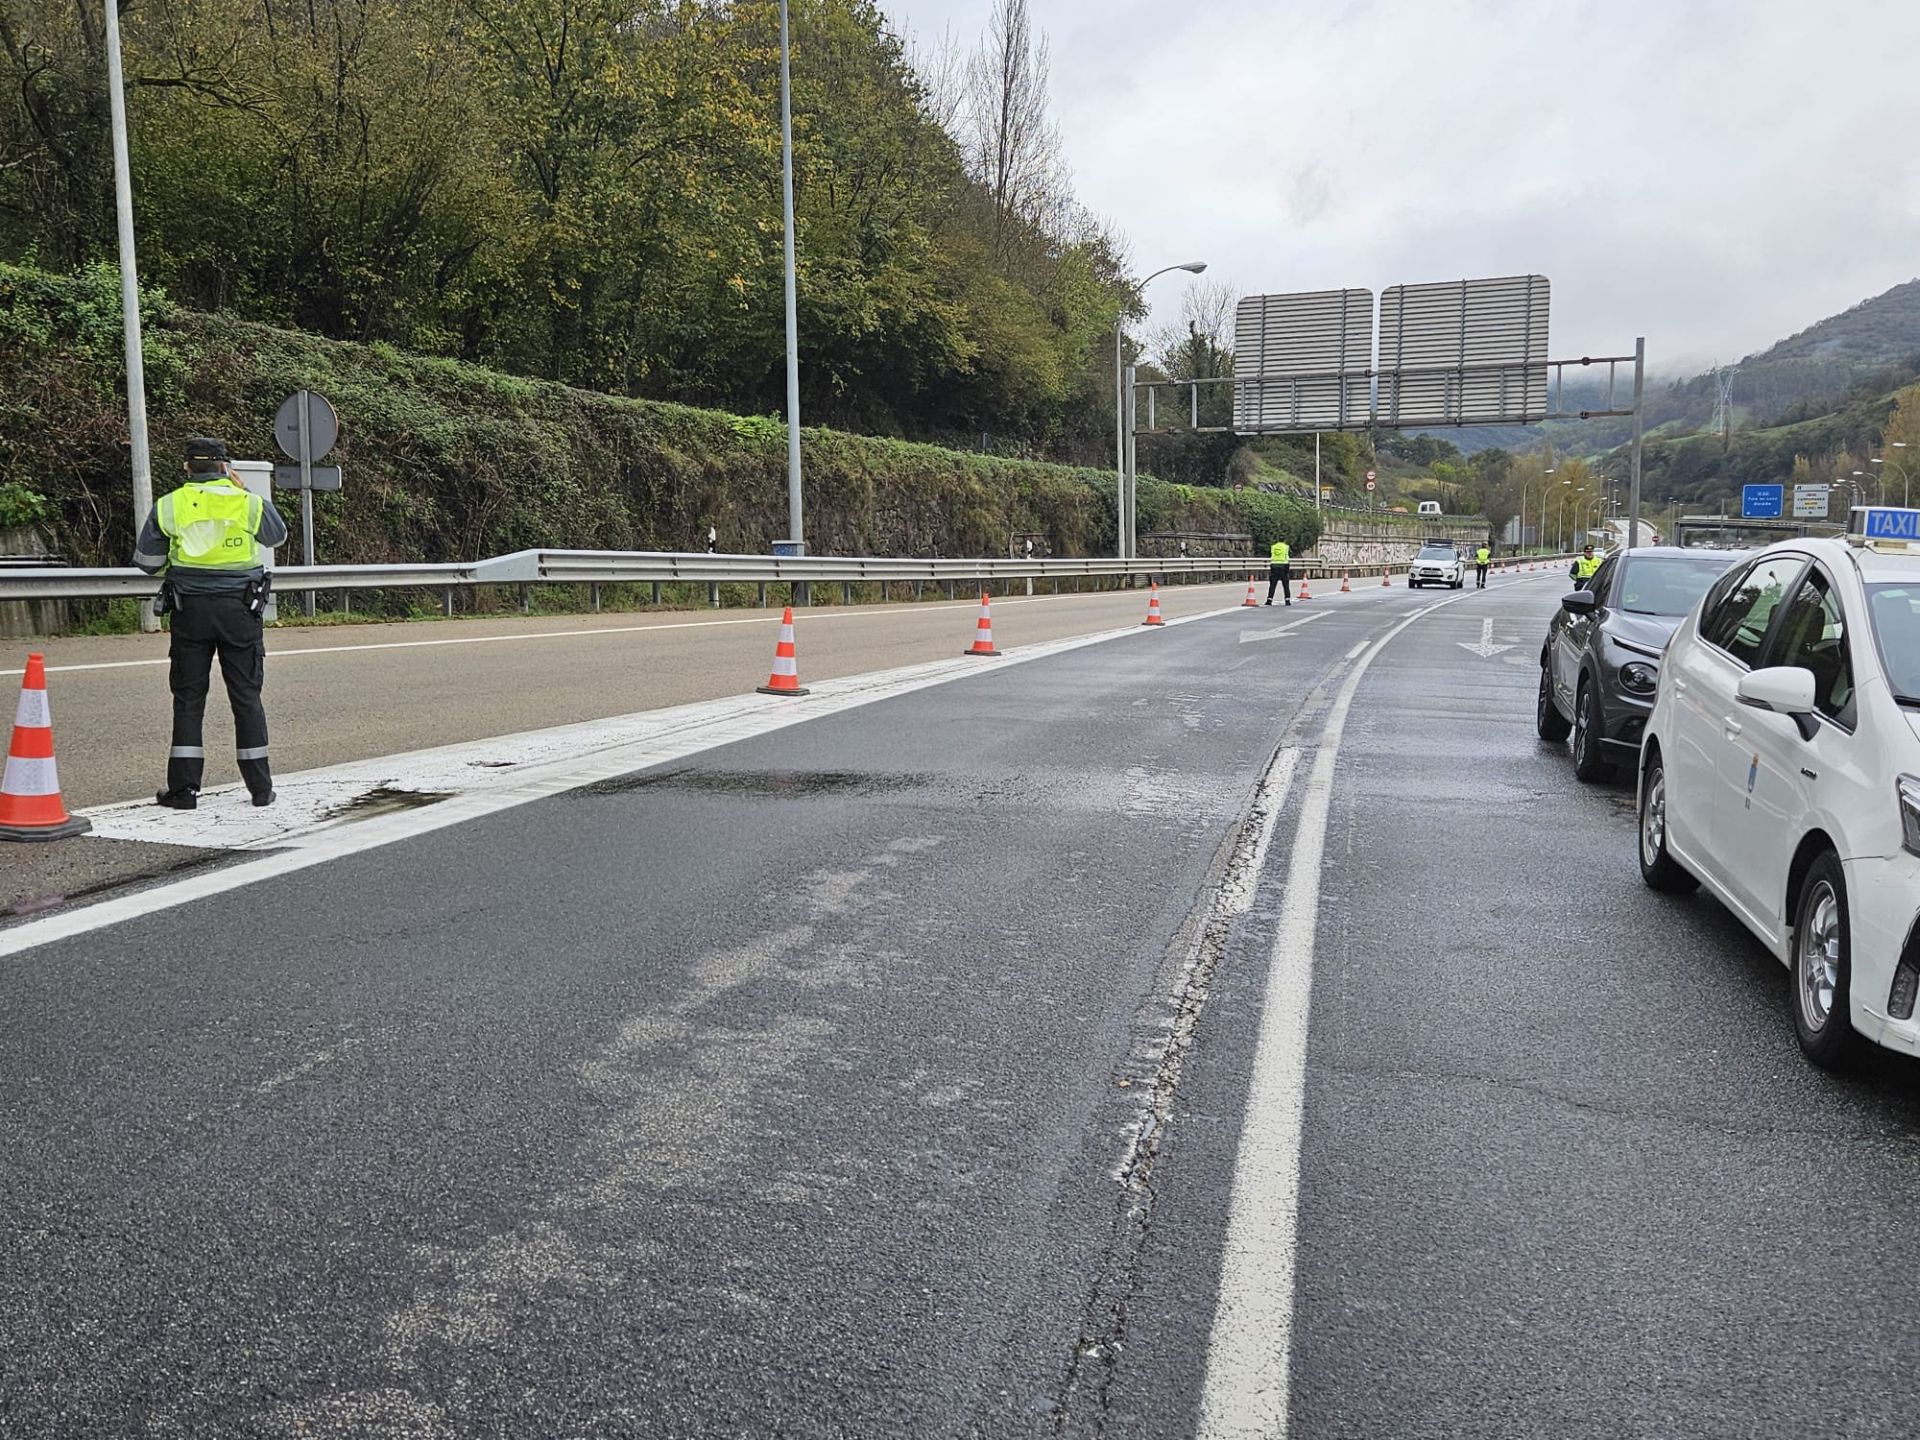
(1732, 725)
(1679, 684)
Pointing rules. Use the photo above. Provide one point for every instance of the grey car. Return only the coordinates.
(1601, 659)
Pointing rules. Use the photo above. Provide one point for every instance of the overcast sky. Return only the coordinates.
(1715, 174)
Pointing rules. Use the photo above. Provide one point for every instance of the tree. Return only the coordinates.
(1013, 142)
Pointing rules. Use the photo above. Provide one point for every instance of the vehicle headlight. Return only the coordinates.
(1908, 788)
(1638, 677)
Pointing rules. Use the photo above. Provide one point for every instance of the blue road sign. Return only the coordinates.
(1763, 502)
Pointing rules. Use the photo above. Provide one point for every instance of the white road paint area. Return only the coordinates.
(345, 809)
(1247, 1387)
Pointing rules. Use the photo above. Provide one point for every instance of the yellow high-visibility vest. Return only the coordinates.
(1585, 566)
(1282, 552)
(210, 526)
(1482, 556)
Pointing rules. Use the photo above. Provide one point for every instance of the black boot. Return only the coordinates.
(185, 798)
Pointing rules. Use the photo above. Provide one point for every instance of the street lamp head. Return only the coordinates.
(1876, 460)
(1194, 266)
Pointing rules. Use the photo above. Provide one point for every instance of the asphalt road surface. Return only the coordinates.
(1187, 1033)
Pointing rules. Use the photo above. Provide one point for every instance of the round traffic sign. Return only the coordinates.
(1369, 474)
(1370, 484)
(323, 426)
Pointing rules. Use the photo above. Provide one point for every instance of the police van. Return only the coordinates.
(1781, 771)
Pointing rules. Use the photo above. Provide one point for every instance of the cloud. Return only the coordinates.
(1698, 171)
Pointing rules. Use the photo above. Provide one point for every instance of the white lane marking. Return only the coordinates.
(1355, 652)
(656, 737)
(1250, 635)
(1249, 1353)
(1486, 649)
(809, 616)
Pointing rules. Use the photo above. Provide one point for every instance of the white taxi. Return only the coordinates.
(1781, 769)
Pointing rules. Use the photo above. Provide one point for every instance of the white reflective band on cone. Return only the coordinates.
(34, 712)
(30, 777)
(785, 665)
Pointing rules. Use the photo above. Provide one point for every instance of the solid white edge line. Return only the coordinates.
(753, 717)
(1248, 1389)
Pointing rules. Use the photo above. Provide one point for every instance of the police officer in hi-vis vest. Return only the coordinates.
(1482, 558)
(1280, 572)
(201, 539)
(1585, 566)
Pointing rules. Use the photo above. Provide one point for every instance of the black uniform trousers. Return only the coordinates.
(1280, 577)
(205, 626)
(1480, 576)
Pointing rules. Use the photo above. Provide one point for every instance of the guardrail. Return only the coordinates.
(595, 568)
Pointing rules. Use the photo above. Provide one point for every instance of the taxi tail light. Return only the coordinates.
(1906, 979)
(1908, 789)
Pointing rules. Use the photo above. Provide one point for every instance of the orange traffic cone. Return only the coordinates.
(30, 806)
(1346, 587)
(1305, 593)
(983, 631)
(1153, 607)
(785, 679)
(1386, 579)
(1253, 593)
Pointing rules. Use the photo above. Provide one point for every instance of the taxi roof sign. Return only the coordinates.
(1884, 527)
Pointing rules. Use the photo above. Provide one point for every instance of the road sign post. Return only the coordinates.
(305, 429)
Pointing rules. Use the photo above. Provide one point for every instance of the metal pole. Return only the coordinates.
(1119, 435)
(794, 531)
(306, 482)
(1317, 505)
(1129, 479)
(1639, 431)
(129, 295)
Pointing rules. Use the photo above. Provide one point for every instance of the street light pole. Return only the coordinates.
(129, 293)
(1122, 426)
(795, 532)
(1639, 435)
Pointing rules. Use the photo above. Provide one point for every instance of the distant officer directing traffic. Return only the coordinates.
(1482, 558)
(201, 538)
(1280, 571)
(1585, 565)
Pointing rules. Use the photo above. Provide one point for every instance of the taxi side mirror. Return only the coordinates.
(1580, 602)
(1783, 689)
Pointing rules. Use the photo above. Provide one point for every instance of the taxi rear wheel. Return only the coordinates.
(1547, 718)
(1658, 867)
(1823, 968)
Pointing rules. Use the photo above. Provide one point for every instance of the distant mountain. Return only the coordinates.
(1803, 376)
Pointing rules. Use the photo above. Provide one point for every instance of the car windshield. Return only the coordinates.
(1666, 584)
(1435, 552)
(1896, 626)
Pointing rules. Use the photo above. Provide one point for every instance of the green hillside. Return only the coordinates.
(450, 461)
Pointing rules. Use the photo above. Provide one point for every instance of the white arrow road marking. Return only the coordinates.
(1486, 649)
(1247, 635)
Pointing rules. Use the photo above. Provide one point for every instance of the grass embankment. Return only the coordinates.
(448, 461)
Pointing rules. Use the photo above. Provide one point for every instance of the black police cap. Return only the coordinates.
(205, 447)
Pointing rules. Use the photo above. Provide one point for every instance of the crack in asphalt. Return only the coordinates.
(1154, 1067)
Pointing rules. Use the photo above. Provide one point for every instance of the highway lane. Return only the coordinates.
(354, 692)
(1562, 1171)
(891, 1075)
(784, 1092)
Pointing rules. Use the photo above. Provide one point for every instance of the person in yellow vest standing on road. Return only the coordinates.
(1280, 571)
(1585, 565)
(202, 539)
(1482, 558)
